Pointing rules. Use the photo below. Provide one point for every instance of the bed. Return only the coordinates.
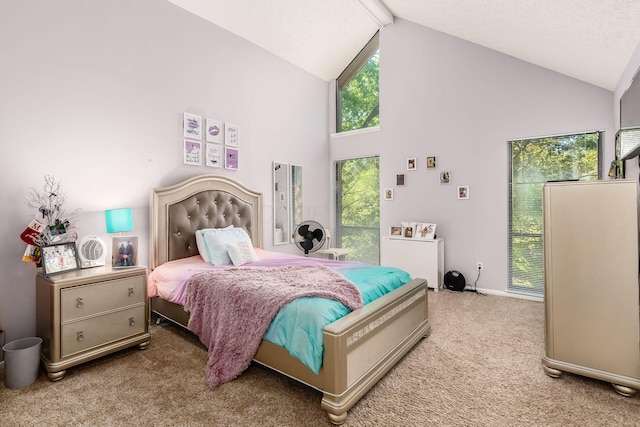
(359, 348)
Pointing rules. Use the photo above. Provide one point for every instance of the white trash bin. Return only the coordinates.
(22, 362)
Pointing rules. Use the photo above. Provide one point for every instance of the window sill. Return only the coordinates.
(354, 132)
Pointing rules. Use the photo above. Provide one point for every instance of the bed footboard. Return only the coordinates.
(360, 348)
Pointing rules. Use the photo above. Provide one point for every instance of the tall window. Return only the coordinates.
(358, 208)
(357, 104)
(534, 162)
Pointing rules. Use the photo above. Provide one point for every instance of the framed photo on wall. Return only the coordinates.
(192, 153)
(214, 130)
(463, 192)
(411, 164)
(192, 125)
(59, 258)
(230, 158)
(388, 193)
(213, 155)
(431, 162)
(400, 179)
(231, 135)
(124, 251)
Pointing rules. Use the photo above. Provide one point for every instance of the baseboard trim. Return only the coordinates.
(507, 294)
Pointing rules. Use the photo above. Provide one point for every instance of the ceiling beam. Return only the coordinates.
(378, 11)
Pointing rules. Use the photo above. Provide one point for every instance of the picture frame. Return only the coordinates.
(124, 251)
(408, 232)
(445, 177)
(412, 164)
(214, 130)
(463, 192)
(59, 258)
(230, 158)
(192, 153)
(395, 231)
(400, 179)
(431, 162)
(388, 193)
(425, 231)
(213, 156)
(231, 134)
(192, 126)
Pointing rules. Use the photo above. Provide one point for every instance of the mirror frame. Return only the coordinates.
(281, 198)
(297, 199)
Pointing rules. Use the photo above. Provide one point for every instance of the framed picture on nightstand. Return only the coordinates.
(59, 258)
(124, 252)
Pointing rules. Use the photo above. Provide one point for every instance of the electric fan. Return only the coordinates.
(309, 236)
(92, 251)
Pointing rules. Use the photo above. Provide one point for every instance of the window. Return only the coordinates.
(358, 208)
(534, 162)
(357, 103)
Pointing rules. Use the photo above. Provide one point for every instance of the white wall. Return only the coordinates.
(445, 97)
(93, 93)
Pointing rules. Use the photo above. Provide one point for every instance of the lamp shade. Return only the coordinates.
(119, 220)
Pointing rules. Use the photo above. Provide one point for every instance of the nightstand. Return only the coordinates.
(85, 314)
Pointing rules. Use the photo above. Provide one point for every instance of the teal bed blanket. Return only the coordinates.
(299, 326)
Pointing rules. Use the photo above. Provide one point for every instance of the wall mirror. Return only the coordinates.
(281, 213)
(296, 198)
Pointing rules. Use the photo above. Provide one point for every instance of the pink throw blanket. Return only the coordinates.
(231, 309)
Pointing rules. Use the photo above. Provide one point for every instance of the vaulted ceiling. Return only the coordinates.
(590, 40)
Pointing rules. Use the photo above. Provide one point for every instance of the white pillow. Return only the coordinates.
(202, 249)
(241, 253)
(215, 241)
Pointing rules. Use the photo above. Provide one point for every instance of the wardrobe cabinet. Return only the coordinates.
(592, 322)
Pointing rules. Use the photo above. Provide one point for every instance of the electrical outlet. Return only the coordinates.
(479, 265)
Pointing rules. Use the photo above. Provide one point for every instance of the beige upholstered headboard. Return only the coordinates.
(203, 201)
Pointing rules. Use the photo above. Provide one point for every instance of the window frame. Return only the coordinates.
(510, 232)
(372, 46)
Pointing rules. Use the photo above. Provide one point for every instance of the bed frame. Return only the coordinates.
(359, 348)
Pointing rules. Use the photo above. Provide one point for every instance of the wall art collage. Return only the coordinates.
(444, 177)
(210, 148)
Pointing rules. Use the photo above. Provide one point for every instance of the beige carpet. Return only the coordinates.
(479, 367)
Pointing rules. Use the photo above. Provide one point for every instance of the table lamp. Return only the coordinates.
(123, 249)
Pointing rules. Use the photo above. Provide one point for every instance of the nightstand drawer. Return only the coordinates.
(99, 330)
(81, 301)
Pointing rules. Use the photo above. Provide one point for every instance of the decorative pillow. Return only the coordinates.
(241, 253)
(202, 249)
(215, 241)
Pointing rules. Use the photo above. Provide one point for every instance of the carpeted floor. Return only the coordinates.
(479, 367)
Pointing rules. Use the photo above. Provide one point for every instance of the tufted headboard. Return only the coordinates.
(203, 201)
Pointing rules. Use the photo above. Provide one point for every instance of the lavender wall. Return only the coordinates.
(93, 93)
(445, 97)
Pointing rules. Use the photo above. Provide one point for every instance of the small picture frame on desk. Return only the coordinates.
(124, 252)
(395, 231)
(59, 258)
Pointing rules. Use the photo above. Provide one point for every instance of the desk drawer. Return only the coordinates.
(87, 300)
(100, 330)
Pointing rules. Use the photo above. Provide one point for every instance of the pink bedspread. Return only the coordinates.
(220, 300)
(168, 281)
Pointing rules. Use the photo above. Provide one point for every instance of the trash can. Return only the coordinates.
(22, 362)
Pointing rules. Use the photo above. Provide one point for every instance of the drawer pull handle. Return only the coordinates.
(132, 321)
(131, 292)
(80, 336)
(79, 302)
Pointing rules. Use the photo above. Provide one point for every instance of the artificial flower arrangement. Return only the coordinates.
(51, 225)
